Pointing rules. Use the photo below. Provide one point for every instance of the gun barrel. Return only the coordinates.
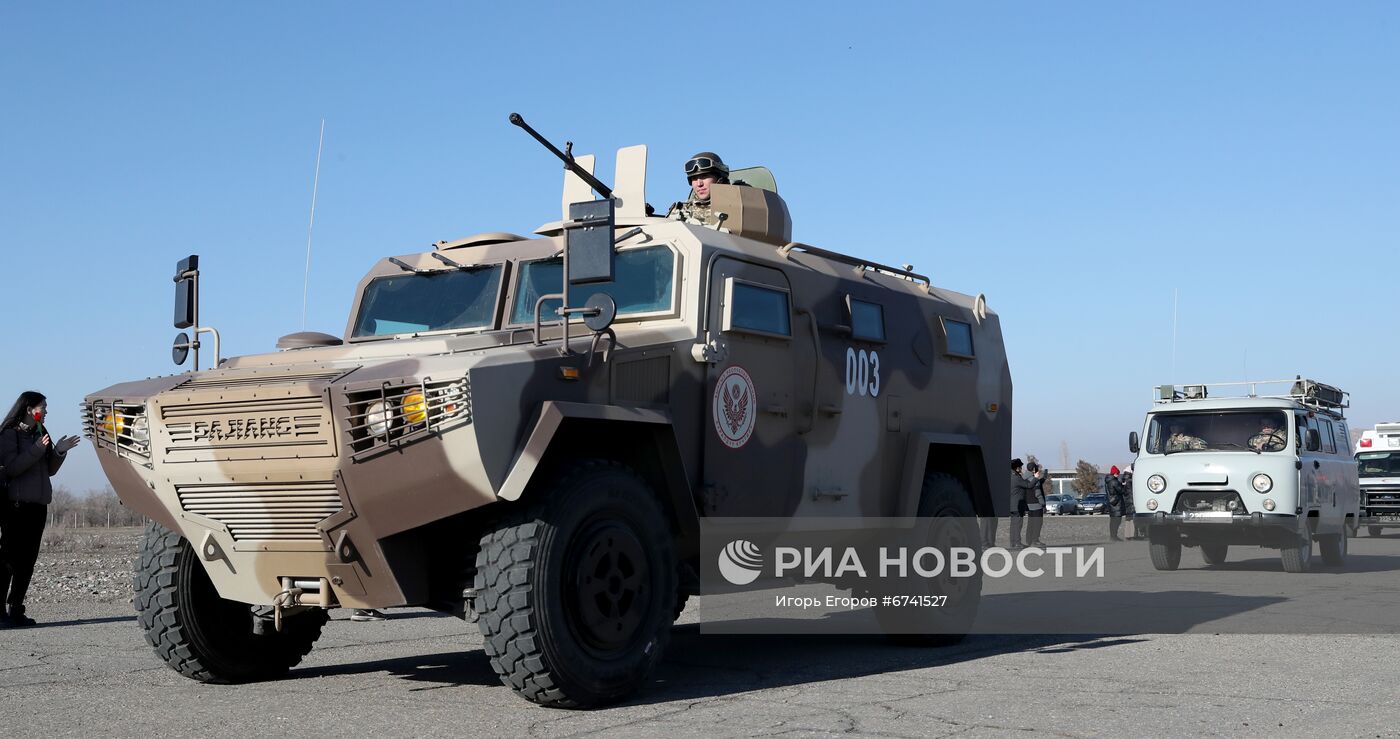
(567, 159)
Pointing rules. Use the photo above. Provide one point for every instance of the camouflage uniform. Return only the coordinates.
(699, 211)
(1185, 442)
(1267, 441)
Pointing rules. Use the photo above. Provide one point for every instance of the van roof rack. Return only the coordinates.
(1310, 393)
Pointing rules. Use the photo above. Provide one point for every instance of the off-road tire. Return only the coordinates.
(1165, 551)
(942, 496)
(1215, 554)
(200, 635)
(1297, 558)
(531, 572)
(1375, 530)
(1334, 549)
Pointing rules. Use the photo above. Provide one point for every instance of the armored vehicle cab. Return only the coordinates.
(1246, 469)
(464, 449)
(1378, 465)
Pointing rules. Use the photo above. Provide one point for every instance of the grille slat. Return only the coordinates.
(277, 511)
(249, 378)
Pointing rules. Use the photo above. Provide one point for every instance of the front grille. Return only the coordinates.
(215, 430)
(1381, 498)
(264, 511)
(396, 414)
(121, 428)
(1213, 501)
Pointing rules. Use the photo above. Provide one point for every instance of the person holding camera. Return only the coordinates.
(29, 457)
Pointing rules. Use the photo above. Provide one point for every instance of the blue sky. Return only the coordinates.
(1076, 162)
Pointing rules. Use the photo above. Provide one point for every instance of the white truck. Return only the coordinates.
(1378, 466)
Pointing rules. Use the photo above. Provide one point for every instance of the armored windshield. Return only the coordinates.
(1235, 431)
(645, 281)
(436, 301)
(1378, 464)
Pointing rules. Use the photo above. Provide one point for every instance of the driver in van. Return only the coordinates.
(1270, 437)
(1180, 441)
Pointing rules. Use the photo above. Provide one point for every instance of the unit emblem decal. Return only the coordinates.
(734, 407)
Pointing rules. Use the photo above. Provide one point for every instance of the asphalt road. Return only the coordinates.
(87, 671)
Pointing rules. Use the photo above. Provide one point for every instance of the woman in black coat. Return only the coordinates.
(29, 457)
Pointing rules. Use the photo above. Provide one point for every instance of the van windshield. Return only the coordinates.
(1378, 464)
(436, 301)
(1236, 431)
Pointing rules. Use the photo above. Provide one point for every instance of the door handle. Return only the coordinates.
(1316, 464)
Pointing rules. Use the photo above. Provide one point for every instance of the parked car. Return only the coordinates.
(1093, 504)
(1058, 505)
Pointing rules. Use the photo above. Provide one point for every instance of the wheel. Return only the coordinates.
(946, 508)
(201, 635)
(1214, 554)
(1334, 549)
(1298, 557)
(1374, 530)
(1165, 548)
(576, 592)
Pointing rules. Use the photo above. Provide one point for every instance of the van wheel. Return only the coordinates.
(576, 592)
(1334, 549)
(946, 507)
(1214, 554)
(1165, 548)
(1298, 557)
(200, 635)
(1374, 530)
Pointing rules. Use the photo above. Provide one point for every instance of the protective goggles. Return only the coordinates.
(702, 164)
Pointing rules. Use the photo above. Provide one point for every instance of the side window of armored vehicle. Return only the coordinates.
(644, 285)
(756, 309)
(437, 301)
(867, 320)
(958, 339)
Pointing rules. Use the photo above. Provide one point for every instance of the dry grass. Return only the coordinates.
(63, 539)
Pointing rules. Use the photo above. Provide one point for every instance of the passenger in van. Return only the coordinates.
(1180, 441)
(1270, 437)
(702, 170)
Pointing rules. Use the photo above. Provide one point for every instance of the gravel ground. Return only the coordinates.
(84, 565)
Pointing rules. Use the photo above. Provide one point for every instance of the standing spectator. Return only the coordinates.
(1035, 506)
(29, 457)
(1113, 488)
(1130, 528)
(1020, 487)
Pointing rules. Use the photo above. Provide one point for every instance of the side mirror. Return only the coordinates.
(588, 239)
(186, 277)
(1133, 442)
(599, 312)
(1314, 440)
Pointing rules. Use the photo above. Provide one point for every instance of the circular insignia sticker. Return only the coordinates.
(735, 407)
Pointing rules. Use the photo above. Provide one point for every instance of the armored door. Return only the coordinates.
(753, 460)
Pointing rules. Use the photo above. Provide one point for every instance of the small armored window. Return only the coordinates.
(867, 320)
(959, 336)
(756, 309)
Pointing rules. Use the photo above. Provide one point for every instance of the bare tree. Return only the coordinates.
(1087, 478)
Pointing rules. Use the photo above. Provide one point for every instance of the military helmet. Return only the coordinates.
(706, 162)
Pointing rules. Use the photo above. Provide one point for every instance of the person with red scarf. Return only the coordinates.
(29, 457)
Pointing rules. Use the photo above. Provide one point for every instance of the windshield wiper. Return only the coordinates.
(458, 265)
(1237, 446)
(405, 266)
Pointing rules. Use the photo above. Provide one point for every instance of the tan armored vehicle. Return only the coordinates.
(462, 450)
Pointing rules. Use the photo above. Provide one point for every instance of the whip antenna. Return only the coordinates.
(311, 223)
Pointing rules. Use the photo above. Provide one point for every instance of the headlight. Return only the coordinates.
(452, 397)
(1268, 504)
(114, 424)
(141, 430)
(378, 418)
(1152, 504)
(1262, 483)
(415, 407)
(1156, 483)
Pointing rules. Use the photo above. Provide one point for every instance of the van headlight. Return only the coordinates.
(1156, 484)
(1262, 483)
(378, 418)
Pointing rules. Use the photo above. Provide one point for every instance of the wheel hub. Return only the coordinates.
(610, 585)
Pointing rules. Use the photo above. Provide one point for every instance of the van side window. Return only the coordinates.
(757, 309)
(1329, 444)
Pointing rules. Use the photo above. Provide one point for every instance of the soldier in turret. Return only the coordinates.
(702, 170)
